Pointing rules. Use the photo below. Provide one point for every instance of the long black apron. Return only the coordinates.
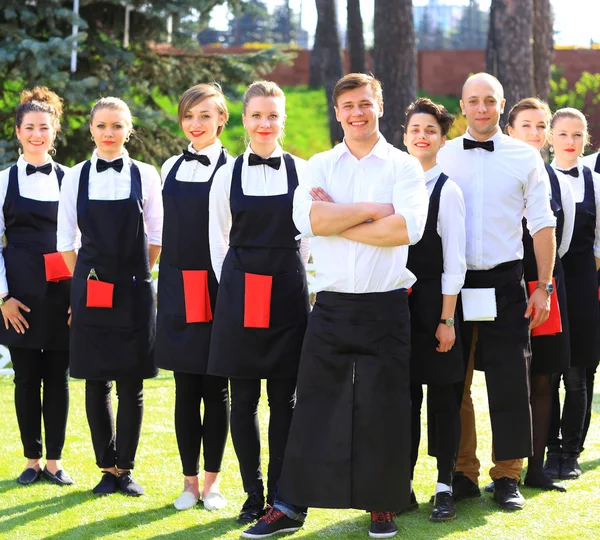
(180, 346)
(581, 281)
(113, 343)
(349, 442)
(261, 241)
(30, 233)
(426, 262)
(550, 354)
(503, 352)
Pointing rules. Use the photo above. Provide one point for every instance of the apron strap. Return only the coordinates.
(173, 172)
(589, 196)
(292, 174)
(434, 203)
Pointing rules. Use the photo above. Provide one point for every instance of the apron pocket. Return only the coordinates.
(257, 301)
(99, 294)
(56, 268)
(196, 296)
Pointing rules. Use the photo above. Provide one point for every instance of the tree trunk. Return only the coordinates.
(395, 63)
(543, 47)
(326, 60)
(510, 52)
(355, 38)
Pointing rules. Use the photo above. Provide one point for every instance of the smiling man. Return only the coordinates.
(502, 180)
(349, 444)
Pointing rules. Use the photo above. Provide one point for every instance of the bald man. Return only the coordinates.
(503, 180)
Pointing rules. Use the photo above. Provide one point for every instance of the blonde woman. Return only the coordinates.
(262, 308)
(111, 206)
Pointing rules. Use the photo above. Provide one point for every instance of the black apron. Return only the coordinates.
(180, 346)
(115, 343)
(349, 442)
(30, 233)
(503, 352)
(261, 241)
(581, 281)
(550, 354)
(597, 165)
(426, 262)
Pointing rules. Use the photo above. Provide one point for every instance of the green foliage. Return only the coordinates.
(35, 49)
(583, 95)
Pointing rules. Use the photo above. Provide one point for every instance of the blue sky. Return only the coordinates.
(577, 21)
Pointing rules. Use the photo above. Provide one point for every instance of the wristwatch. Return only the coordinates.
(3, 300)
(448, 322)
(548, 287)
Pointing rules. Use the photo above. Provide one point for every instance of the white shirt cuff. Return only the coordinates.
(452, 283)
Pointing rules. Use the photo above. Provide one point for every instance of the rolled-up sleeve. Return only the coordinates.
(219, 218)
(410, 197)
(153, 206)
(537, 199)
(67, 232)
(451, 228)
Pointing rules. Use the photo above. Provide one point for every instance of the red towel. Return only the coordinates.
(553, 324)
(56, 267)
(196, 296)
(257, 301)
(99, 294)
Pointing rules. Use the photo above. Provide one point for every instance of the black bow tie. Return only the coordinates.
(574, 172)
(44, 169)
(273, 162)
(190, 156)
(469, 144)
(102, 165)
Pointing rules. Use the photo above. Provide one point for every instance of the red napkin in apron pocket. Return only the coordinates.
(99, 293)
(196, 296)
(56, 267)
(257, 301)
(553, 324)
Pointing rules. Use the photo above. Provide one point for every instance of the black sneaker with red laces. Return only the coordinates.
(382, 525)
(273, 522)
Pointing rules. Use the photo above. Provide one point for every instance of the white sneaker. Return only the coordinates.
(214, 500)
(185, 501)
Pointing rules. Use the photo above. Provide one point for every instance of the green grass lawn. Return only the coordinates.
(47, 511)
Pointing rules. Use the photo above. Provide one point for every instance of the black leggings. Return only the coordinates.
(191, 429)
(35, 368)
(443, 426)
(245, 433)
(115, 449)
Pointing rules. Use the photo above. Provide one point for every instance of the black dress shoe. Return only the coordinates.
(553, 465)
(464, 488)
(507, 494)
(128, 485)
(108, 485)
(444, 508)
(253, 509)
(489, 488)
(569, 467)
(29, 476)
(61, 478)
(545, 482)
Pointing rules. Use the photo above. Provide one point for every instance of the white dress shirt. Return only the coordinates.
(258, 180)
(578, 189)
(590, 161)
(385, 175)
(451, 229)
(37, 186)
(499, 188)
(194, 171)
(568, 206)
(109, 185)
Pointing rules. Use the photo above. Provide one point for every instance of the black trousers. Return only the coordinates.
(115, 448)
(443, 425)
(245, 433)
(192, 430)
(35, 369)
(568, 431)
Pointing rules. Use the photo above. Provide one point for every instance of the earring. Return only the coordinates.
(551, 149)
(127, 138)
(20, 150)
(52, 151)
(91, 137)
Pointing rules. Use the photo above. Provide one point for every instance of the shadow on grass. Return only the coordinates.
(8, 485)
(31, 511)
(214, 529)
(589, 465)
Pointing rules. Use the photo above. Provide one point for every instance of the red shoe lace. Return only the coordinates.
(272, 515)
(382, 517)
